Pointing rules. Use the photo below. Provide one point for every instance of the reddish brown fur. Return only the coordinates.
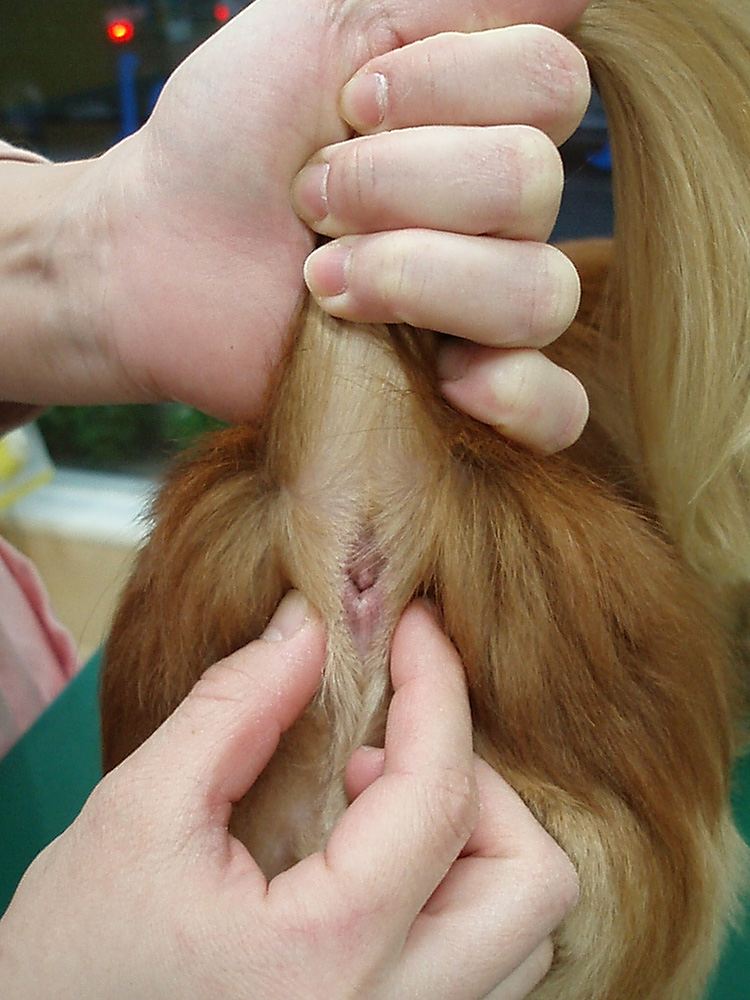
(599, 681)
(602, 686)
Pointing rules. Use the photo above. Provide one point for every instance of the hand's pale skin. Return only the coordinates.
(170, 267)
(437, 883)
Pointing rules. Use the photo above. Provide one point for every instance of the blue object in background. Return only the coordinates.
(127, 64)
(601, 159)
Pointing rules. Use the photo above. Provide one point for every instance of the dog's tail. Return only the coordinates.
(674, 76)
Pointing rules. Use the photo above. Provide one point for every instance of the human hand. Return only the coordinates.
(436, 882)
(439, 216)
(174, 266)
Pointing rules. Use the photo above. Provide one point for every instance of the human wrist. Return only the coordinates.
(53, 259)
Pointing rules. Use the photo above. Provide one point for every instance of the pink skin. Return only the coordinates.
(361, 596)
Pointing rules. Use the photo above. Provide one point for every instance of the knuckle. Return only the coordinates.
(114, 812)
(531, 167)
(222, 683)
(572, 415)
(557, 294)
(400, 285)
(514, 393)
(541, 158)
(350, 926)
(452, 804)
(357, 177)
(541, 172)
(575, 76)
(566, 889)
(544, 299)
(555, 881)
(559, 70)
(342, 924)
(535, 146)
(110, 798)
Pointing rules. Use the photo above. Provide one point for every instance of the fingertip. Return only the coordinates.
(229, 725)
(572, 420)
(421, 650)
(566, 81)
(292, 614)
(420, 615)
(580, 87)
(560, 288)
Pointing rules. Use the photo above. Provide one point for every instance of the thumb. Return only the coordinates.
(216, 743)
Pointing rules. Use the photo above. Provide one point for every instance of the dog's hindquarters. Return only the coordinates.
(599, 685)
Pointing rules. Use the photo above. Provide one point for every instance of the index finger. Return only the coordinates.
(400, 837)
(524, 74)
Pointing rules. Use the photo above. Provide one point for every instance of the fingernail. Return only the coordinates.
(288, 618)
(327, 270)
(364, 101)
(310, 192)
(453, 360)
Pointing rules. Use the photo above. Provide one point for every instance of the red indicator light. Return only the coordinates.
(222, 12)
(120, 31)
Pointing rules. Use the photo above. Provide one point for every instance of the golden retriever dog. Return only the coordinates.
(595, 596)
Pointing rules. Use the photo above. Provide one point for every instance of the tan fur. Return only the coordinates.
(602, 684)
(675, 78)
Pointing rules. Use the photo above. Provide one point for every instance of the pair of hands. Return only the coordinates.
(179, 253)
(437, 883)
(174, 268)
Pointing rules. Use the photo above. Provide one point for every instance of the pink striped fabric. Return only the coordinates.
(37, 656)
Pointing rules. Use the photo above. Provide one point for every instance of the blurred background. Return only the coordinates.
(76, 75)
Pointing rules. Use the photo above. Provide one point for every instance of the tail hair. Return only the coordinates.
(674, 76)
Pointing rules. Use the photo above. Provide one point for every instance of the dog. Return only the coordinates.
(595, 597)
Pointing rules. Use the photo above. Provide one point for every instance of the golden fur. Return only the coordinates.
(600, 666)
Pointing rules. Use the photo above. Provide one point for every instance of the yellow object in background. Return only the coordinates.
(24, 464)
(11, 457)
